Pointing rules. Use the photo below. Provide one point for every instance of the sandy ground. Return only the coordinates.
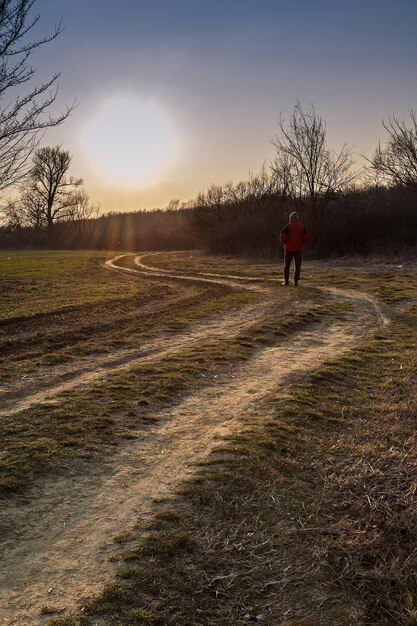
(58, 544)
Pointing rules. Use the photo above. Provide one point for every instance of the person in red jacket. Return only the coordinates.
(293, 237)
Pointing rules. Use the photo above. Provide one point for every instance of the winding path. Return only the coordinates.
(58, 544)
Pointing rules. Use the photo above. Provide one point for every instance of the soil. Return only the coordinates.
(58, 542)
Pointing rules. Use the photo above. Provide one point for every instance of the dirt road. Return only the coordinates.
(59, 542)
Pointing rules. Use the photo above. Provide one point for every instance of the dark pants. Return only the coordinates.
(288, 257)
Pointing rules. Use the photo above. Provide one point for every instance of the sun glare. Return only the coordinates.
(130, 141)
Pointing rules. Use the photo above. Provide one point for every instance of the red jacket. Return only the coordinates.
(293, 236)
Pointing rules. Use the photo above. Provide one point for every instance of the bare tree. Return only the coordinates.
(396, 162)
(23, 117)
(82, 209)
(12, 216)
(51, 187)
(209, 206)
(79, 223)
(19, 213)
(28, 211)
(307, 170)
(32, 209)
(174, 204)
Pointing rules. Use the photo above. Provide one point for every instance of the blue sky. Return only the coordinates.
(215, 76)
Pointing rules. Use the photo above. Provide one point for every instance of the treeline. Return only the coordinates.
(373, 211)
(364, 221)
(159, 229)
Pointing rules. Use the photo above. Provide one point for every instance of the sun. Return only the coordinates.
(129, 140)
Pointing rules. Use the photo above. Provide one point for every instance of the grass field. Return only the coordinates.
(61, 306)
(305, 514)
(132, 312)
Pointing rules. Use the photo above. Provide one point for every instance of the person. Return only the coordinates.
(293, 237)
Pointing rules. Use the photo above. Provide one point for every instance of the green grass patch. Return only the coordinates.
(96, 311)
(43, 281)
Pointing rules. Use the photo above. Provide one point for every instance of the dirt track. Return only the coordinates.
(63, 537)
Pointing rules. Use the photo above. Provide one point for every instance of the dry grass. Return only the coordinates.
(85, 425)
(194, 261)
(305, 518)
(372, 475)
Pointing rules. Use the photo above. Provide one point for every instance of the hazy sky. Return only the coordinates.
(174, 95)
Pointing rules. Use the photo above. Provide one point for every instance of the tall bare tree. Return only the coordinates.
(307, 170)
(396, 162)
(52, 188)
(30, 211)
(23, 115)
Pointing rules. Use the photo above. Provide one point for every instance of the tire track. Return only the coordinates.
(40, 388)
(63, 538)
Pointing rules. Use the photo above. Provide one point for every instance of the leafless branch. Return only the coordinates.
(23, 117)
